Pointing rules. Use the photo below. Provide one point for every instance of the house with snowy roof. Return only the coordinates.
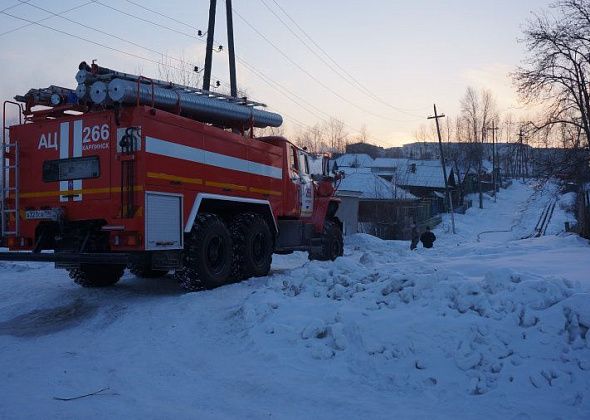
(351, 160)
(422, 178)
(387, 168)
(371, 204)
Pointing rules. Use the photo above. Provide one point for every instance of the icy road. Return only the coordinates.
(485, 325)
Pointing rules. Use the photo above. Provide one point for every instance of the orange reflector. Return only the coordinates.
(132, 240)
(11, 242)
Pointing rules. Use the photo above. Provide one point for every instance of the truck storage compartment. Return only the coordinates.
(163, 221)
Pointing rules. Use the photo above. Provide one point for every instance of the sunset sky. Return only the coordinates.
(381, 64)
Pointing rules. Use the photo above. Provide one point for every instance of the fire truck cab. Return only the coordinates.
(96, 189)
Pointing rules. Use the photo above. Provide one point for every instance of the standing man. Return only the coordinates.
(415, 237)
(427, 238)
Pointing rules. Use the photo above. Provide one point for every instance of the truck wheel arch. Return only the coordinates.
(206, 202)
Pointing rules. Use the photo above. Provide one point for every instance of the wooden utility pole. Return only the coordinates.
(522, 161)
(231, 51)
(230, 42)
(436, 117)
(494, 180)
(209, 52)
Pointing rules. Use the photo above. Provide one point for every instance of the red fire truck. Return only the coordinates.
(127, 172)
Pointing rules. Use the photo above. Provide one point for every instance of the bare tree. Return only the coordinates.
(478, 109)
(363, 135)
(312, 138)
(557, 70)
(178, 70)
(336, 133)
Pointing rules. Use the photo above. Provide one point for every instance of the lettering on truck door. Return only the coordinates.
(305, 186)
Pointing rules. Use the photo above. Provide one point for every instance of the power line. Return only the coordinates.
(141, 6)
(289, 95)
(252, 68)
(307, 73)
(146, 20)
(41, 20)
(181, 61)
(32, 22)
(334, 66)
(53, 14)
(13, 6)
(253, 28)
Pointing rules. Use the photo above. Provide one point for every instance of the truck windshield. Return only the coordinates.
(303, 164)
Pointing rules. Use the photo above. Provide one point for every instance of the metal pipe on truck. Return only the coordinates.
(196, 105)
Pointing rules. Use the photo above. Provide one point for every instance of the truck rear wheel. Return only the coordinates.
(332, 243)
(252, 246)
(207, 256)
(97, 275)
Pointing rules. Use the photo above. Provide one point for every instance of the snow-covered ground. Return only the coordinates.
(485, 325)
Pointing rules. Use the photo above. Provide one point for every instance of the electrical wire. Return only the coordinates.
(141, 6)
(59, 15)
(14, 5)
(41, 20)
(252, 68)
(32, 22)
(334, 66)
(146, 20)
(274, 46)
(304, 71)
(259, 74)
(287, 93)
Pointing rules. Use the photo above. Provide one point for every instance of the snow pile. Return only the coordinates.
(428, 329)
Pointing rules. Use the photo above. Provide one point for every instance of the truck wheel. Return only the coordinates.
(144, 271)
(207, 256)
(253, 245)
(97, 275)
(332, 243)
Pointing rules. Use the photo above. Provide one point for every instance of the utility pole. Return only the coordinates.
(231, 51)
(230, 45)
(436, 117)
(494, 129)
(209, 52)
(520, 141)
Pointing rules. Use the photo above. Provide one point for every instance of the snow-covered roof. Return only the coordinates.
(373, 186)
(352, 170)
(422, 173)
(390, 163)
(355, 160)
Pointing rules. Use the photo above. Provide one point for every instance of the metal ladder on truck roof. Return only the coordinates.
(9, 167)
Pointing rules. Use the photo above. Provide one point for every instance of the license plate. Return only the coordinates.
(41, 215)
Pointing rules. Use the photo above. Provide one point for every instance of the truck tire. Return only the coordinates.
(253, 245)
(97, 275)
(146, 272)
(332, 243)
(207, 256)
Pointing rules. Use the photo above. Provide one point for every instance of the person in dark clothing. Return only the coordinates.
(427, 238)
(415, 237)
